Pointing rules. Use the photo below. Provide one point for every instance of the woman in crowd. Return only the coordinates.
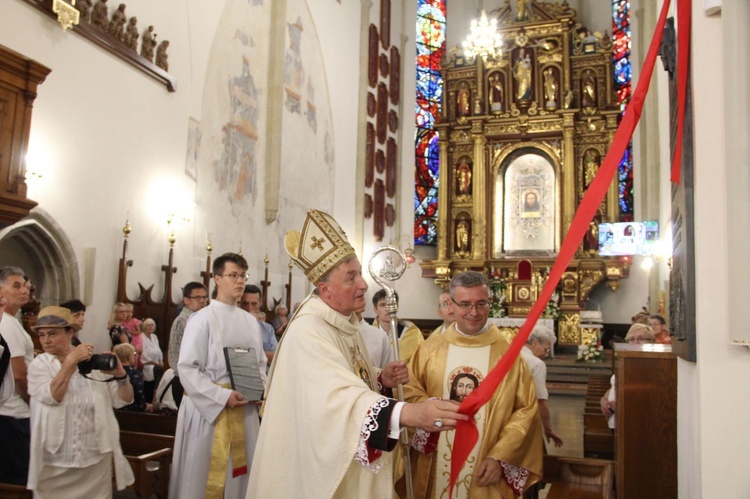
(152, 359)
(131, 322)
(281, 320)
(75, 438)
(136, 339)
(118, 333)
(659, 325)
(126, 355)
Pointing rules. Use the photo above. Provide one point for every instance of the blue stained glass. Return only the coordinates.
(429, 84)
(623, 76)
(430, 49)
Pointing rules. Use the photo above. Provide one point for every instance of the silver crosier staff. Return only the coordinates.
(390, 273)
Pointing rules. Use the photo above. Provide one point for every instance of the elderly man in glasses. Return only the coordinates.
(509, 455)
(217, 427)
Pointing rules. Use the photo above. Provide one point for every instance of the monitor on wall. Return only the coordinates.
(628, 238)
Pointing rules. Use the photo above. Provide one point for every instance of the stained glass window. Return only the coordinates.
(623, 76)
(430, 40)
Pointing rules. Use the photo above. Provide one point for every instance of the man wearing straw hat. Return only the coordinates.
(326, 424)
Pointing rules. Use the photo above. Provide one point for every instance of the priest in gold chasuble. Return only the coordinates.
(508, 457)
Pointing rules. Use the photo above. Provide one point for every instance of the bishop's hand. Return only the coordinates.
(394, 373)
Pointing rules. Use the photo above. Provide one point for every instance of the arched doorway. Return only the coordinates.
(41, 248)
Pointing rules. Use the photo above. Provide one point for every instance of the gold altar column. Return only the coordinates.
(479, 224)
(444, 179)
(613, 196)
(568, 170)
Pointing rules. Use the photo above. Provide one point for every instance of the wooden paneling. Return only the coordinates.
(646, 421)
(19, 78)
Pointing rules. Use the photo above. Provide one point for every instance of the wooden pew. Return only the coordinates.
(146, 423)
(598, 439)
(8, 491)
(579, 478)
(150, 456)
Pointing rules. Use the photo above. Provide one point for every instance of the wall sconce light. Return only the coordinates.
(409, 251)
(647, 264)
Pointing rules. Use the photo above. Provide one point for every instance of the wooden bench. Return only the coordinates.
(579, 478)
(146, 423)
(150, 456)
(8, 491)
(598, 439)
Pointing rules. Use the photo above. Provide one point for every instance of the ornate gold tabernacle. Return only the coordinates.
(521, 138)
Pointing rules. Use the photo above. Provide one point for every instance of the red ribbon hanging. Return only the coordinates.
(466, 432)
(684, 17)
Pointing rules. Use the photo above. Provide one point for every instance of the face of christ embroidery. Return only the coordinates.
(462, 381)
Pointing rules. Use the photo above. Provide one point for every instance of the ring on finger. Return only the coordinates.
(438, 423)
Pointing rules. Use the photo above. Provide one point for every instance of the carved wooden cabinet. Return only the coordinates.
(646, 421)
(19, 78)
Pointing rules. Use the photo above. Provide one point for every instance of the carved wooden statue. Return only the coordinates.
(550, 89)
(590, 166)
(463, 174)
(462, 100)
(148, 42)
(462, 236)
(161, 55)
(589, 92)
(100, 15)
(117, 24)
(131, 34)
(522, 8)
(496, 94)
(84, 8)
(522, 72)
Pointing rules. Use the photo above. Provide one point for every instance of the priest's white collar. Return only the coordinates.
(483, 330)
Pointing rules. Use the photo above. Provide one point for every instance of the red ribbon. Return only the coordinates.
(684, 17)
(466, 431)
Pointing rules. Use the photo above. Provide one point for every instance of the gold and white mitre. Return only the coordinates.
(320, 247)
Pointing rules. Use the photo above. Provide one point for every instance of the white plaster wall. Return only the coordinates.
(338, 29)
(711, 394)
(104, 135)
(619, 306)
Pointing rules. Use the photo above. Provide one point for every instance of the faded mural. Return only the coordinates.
(231, 158)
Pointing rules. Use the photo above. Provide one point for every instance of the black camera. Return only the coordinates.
(98, 362)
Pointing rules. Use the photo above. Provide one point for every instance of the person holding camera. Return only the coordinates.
(75, 438)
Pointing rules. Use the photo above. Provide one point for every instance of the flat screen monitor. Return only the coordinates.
(628, 238)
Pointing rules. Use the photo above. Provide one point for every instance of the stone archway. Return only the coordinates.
(41, 248)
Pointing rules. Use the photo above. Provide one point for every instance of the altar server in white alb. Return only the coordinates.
(216, 426)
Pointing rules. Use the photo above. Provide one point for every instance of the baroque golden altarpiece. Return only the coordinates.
(521, 138)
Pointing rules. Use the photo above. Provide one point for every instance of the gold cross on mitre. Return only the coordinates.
(317, 243)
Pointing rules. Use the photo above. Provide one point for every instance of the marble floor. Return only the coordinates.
(566, 412)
